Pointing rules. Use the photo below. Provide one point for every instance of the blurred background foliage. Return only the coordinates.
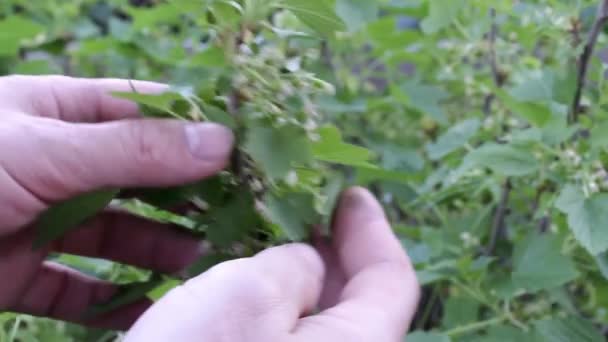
(493, 170)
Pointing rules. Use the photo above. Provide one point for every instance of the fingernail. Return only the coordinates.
(209, 141)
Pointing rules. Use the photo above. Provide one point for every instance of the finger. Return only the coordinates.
(382, 292)
(362, 235)
(241, 300)
(335, 278)
(76, 158)
(62, 293)
(74, 99)
(131, 240)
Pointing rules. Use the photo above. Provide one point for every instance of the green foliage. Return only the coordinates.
(539, 265)
(63, 217)
(454, 112)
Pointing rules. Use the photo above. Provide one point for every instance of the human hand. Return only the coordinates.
(362, 282)
(61, 137)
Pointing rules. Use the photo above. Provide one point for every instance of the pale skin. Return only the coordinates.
(62, 136)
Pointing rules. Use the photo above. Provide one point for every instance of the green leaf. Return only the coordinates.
(568, 329)
(426, 98)
(293, 212)
(459, 311)
(161, 290)
(126, 295)
(14, 30)
(356, 13)
(505, 333)
(154, 105)
(211, 190)
(385, 36)
(602, 263)
(331, 194)
(278, 150)
(420, 336)
(65, 216)
(331, 148)
(213, 57)
(538, 114)
(534, 89)
(160, 14)
(599, 138)
(453, 139)
(232, 221)
(318, 14)
(587, 217)
(441, 15)
(540, 265)
(206, 262)
(506, 160)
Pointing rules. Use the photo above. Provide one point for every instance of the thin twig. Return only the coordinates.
(585, 58)
(476, 326)
(497, 75)
(498, 226)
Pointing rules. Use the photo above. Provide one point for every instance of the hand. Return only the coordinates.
(61, 137)
(362, 282)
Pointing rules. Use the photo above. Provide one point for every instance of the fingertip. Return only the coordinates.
(362, 235)
(304, 256)
(209, 141)
(360, 202)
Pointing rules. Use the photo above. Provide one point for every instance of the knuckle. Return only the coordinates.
(141, 144)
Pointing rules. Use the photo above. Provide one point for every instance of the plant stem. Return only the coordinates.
(585, 58)
(498, 226)
(12, 337)
(475, 326)
(428, 309)
(497, 77)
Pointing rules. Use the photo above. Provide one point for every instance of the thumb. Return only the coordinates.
(56, 160)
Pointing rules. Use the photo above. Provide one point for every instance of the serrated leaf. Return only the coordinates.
(568, 329)
(278, 150)
(65, 216)
(453, 139)
(318, 14)
(587, 217)
(541, 265)
(331, 148)
(231, 221)
(293, 212)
